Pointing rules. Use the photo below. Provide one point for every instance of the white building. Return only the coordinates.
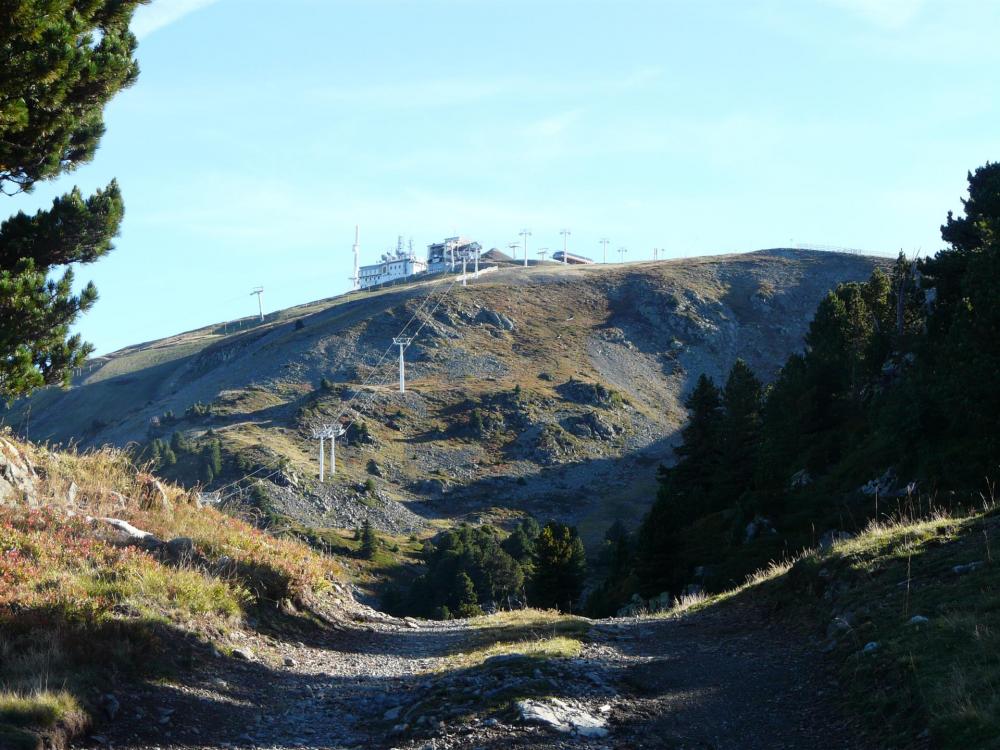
(397, 265)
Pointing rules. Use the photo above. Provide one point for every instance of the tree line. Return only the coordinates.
(898, 379)
(472, 569)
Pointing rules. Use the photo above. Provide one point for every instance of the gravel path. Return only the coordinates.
(726, 679)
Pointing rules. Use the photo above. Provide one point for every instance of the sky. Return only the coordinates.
(259, 133)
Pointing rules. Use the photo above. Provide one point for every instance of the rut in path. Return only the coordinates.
(724, 679)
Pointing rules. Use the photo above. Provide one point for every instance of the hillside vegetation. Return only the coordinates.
(109, 576)
(907, 611)
(523, 389)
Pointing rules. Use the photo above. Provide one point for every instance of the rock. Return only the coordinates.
(871, 647)
(393, 713)
(71, 493)
(495, 319)
(244, 654)
(17, 475)
(152, 496)
(801, 478)
(289, 661)
(833, 536)
(839, 626)
(967, 568)
(758, 527)
(599, 426)
(180, 547)
(881, 486)
(110, 705)
(559, 716)
(918, 620)
(411, 623)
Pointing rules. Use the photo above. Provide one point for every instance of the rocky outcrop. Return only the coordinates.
(18, 479)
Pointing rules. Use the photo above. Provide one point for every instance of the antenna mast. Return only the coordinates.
(357, 254)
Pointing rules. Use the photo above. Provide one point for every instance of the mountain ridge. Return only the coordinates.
(526, 389)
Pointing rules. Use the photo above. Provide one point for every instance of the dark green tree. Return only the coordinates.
(560, 568)
(368, 541)
(212, 456)
(742, 399)
(63, 60)
(464, 602)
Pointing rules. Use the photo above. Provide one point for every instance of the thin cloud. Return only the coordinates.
(162, 13)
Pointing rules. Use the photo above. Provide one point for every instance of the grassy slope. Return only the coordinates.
(931, 682)
(80, 611)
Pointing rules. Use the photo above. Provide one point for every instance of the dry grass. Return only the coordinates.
(108, 484)
(556, 647)
(537, 619)
(77, 605)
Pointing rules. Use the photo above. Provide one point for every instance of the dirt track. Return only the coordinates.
(726, 679)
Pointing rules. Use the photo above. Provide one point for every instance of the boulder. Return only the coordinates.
(180, 548)
(17, 475)
(152, 495)
(833, 536)
(495, 319)
(560, 716)
(801, 478)
(880, 486)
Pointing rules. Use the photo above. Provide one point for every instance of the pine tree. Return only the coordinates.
(63, 60)
(464, 602)
(741, 401)
(685, 490)
(698, 454)
(560, 567)
(368, 540)
(212, 456)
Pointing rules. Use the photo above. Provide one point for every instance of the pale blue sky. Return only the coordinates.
(260, 132)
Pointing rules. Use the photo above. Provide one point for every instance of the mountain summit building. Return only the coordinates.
(443, 256)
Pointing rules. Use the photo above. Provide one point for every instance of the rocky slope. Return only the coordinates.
(552, 389)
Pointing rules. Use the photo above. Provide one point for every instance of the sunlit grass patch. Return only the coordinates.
(557, 647)
(39, 710)
(541, 619)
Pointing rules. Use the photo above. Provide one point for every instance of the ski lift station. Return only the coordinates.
(447, 255)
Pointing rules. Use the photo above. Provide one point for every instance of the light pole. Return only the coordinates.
(542, 252)
(621, 254)
(605, 241)
(565, 233)
(525, 234)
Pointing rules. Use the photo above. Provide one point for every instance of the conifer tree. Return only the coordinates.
(560, 567)
(368, 540)
(63, 60)
(741, 422)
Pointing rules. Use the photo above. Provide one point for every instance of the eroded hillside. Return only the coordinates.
(551, 389)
